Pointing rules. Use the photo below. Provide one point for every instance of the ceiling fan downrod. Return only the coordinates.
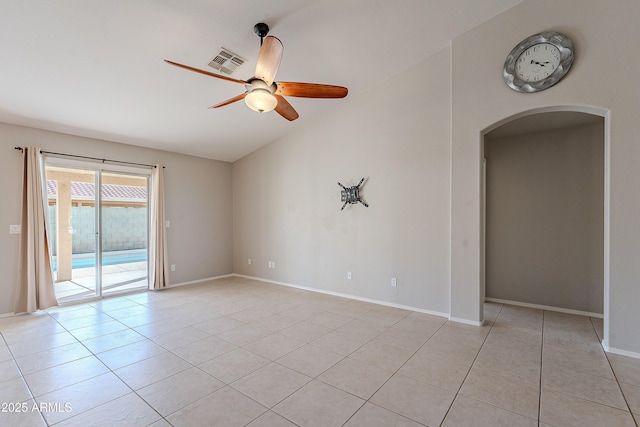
(261, 29)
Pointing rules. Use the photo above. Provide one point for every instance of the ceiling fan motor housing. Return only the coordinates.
(260, 84)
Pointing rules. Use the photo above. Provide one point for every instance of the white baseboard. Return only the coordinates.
(620, 352)
(353, 297)
(546, 307)
(466, 321)
(192, 282)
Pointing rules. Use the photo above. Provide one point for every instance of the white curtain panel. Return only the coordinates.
(158, 258)
(35, 276)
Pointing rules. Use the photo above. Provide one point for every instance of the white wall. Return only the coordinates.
(544, 229)
(198, 195)
(287, 200)
(603, 78)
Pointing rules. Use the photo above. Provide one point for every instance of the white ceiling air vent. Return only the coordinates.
(226, 61)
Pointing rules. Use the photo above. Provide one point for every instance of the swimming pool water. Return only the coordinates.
(106, 260)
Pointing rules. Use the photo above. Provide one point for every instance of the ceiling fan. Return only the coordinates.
(262, 92)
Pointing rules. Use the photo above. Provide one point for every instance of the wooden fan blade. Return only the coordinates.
(269, 60)
(285, 109)
(206, 73)
(230, 101)
(310, 90)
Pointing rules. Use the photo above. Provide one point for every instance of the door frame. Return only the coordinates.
(99, 168)
(605, 114)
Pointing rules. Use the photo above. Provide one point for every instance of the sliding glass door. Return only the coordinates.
(72, 230)
(99, 238)
(124, 222)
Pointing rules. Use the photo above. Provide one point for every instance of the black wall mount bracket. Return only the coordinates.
(351, 195)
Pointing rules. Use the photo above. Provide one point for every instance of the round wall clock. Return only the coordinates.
(538, 62)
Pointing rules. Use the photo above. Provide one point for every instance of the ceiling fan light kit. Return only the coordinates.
(261, 100)
(260, 96)
(263, 94)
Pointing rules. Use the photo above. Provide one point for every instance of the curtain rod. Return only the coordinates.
(93, 158)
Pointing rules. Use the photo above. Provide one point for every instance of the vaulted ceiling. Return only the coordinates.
(95, 68)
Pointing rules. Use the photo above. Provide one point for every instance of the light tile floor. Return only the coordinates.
(237, 352)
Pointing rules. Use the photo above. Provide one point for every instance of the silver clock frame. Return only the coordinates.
(560, 41)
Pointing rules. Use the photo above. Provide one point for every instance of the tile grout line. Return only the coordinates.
(541, 367)
(471, 366)
(365, 401)
(345, 357)
(105, 365)
(13, 359)
(229, 385)
(615, 376)
(162, 417)
(92, 354)
(22, 374)
(387, 380)
(595, 401)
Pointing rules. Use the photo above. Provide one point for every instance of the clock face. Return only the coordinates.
(537, 62)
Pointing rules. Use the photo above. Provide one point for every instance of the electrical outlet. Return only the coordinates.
(273, 264)
(167, 224)
(349, 275)
(173, 267)
(15, 229)
(394, 283)
(249, 261)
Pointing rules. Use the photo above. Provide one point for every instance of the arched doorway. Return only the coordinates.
(537, 235)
